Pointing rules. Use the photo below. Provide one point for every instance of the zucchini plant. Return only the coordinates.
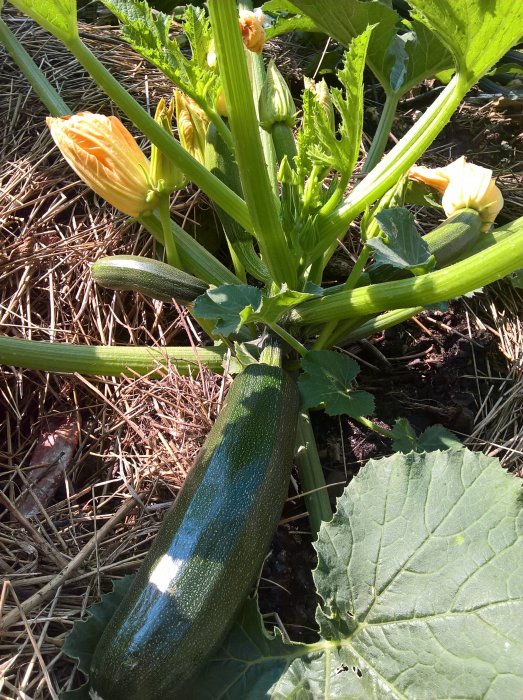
(283, 184)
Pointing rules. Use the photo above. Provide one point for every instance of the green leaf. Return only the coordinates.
(436, 437)
(402, 246)
(327, 379)
(249, 662)
(421, 576)
(57, 16)
(476, 32)
(82, 640)
(399, 61)
(150, 35)
(229, 306)
(344, 21)
(233, 305)
(289, 21)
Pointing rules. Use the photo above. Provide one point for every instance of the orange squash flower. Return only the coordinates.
(253, 33)
(106, 157)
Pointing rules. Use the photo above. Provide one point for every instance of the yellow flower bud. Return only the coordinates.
(165, 176)
(192, 124)
(463, 185)
(253, 33)
(106, 157)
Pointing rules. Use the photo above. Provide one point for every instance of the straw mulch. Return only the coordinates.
(136, 436)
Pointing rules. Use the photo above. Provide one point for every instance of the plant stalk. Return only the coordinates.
(476, 271)
(106, 361)
(256, 185)
(43, 88)
(195, 171)
(311, 475)
(381, 137)
(393, 165)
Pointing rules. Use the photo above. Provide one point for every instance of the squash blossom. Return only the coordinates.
(164, 175)
(253, 33)
(463, 185)
(192, 123)
(106, 157)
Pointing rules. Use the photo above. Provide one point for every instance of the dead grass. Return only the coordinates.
(137, 436)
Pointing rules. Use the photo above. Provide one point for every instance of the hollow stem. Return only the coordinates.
(43, 88)
(485, 267)
(106, 361)
(312, 478)
(381, 137)
(393, 165)
(257, 189)
(208, 183)
(171, 250)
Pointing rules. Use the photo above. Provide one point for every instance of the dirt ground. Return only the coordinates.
(134, 438)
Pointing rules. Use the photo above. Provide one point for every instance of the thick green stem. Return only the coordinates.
(106, 361)
(195, 258)
(476, 271)
(326, 337)
(43, 88)
(375, 325)
(208, 183)
(257, 189)
(311, 475)
(393, 165)
(381, 137)
(288, 338)
(171, 249)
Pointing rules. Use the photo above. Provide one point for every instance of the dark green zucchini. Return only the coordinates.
(150, 277)
(209, 549)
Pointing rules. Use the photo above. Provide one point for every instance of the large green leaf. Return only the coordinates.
(399, 61)
(476, 32)
(57, 16)
(421, 574)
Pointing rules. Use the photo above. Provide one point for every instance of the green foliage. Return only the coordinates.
(150, 35)
(81, 642)
(57, 16)
(421, 576)
(400, 55)
(288, 21)
(401, 245)
(476, 32)
(436, 437)
(231, 306)
(327, 380)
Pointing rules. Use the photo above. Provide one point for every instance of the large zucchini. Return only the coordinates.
(150, 277)
(210, 547)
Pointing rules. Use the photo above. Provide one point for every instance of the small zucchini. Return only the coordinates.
(210, 547)
(150, 277)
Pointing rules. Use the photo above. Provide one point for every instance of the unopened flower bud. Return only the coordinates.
(323, 97)
(253, 33)
(165, 176)
(463, 185)
(106, 157)
(276, 103)
(192, 125)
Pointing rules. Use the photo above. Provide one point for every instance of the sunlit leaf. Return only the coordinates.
(477, 32)
(57, 16)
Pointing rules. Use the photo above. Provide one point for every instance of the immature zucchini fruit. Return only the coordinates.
(210, 547)
(150, 277)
